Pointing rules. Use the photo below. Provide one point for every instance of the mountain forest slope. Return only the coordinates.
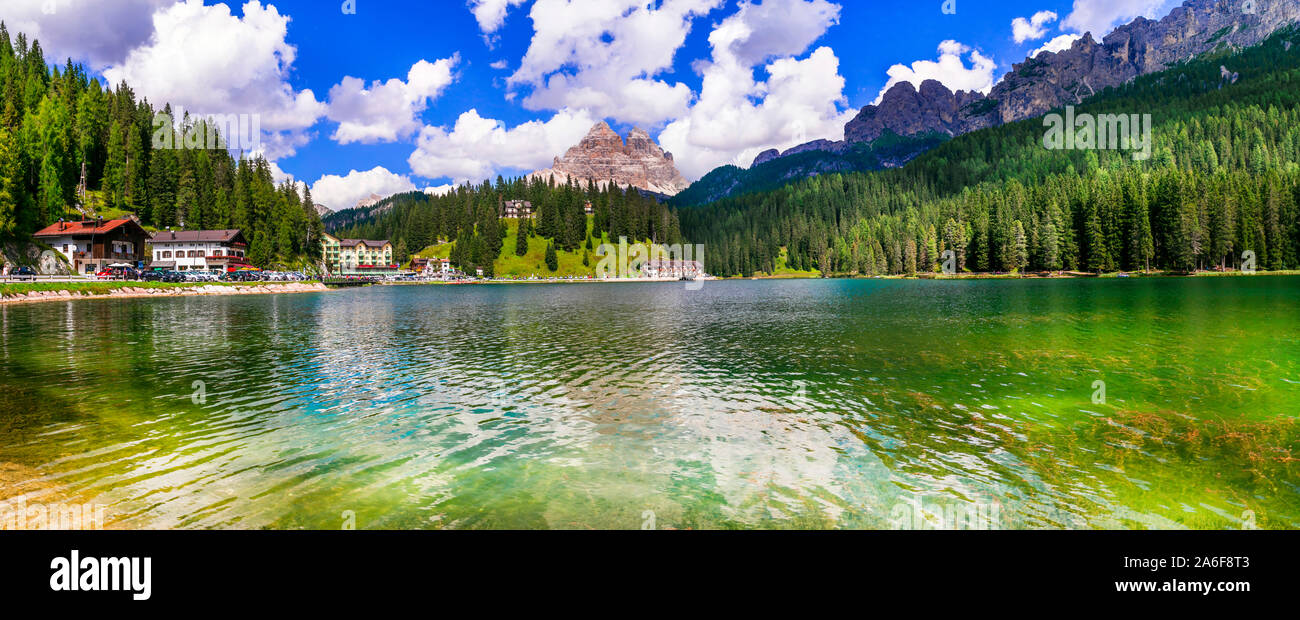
(1224, 179)
(70, 148)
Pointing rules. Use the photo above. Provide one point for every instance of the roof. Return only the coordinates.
(196, 236)
(349, 243)
(85, 228)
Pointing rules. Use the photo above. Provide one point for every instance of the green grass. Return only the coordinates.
(783, 269)
(508, 265)
(533, 263)
(97, 205)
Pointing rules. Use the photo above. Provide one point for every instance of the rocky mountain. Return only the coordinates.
(772, 169)
(604, 156)
(908, 111)
(366, 203)
(1052, 80)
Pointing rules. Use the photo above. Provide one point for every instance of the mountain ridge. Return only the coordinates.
(1050, 80)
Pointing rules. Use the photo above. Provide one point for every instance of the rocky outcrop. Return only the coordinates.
(604, 157)
(370, 201)
(816, 145)
(908, 111)
(1052, 80)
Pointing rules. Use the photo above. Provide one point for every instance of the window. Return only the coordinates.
(167, 254)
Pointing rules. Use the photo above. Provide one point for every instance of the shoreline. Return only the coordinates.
(128, 290)
(1063, 275)
(142, 292)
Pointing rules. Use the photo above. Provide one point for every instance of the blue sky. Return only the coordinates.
(406, 94)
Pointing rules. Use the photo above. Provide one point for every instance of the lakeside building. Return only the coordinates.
(358, 257)
(199, 250)
(517, 209)
(432, 267)
(678, 269)
(92, 245)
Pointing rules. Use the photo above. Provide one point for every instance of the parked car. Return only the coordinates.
(24, 273)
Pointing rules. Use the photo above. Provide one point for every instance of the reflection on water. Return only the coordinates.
(800, 404)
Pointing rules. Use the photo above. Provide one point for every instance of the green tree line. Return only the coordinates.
(469, 218)
(1223, 180)
(58, 125)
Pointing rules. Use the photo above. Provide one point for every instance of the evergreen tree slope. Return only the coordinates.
(56, 124)
(1224, 179)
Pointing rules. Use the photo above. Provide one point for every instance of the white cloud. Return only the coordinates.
(387, 111)
(758, 32)
(1058, 44)
(500, 65)
(1033, 28)
(96, 32)
(344, 192)
(440, 190)
(1101, 16)
(738, 117)
(207, 61)
(950, 70)
(491, 14)
(477, 148)
(279, 176)
(606, 55)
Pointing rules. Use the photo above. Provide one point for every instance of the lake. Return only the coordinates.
(1102, 403)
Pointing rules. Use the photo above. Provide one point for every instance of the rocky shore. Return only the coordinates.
(134, 292)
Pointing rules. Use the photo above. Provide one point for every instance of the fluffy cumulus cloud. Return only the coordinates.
(1101, 16)
(208, 61)
(607, 56)
(477, 148)
(1033, 28)
(83, 29)
(491, 14)
(1057, 44)
(737, 116)
(440, 190)
(387, 111)
(344, 192)
(950, 69)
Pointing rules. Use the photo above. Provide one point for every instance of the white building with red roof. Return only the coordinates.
(92, 245)
(199, 250)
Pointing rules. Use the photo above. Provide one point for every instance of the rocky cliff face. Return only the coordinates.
(603, 156)
(907, 111)
(1052, 80)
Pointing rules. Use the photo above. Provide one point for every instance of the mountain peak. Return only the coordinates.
(1047, 81)
(601, 130)
(603, 157)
